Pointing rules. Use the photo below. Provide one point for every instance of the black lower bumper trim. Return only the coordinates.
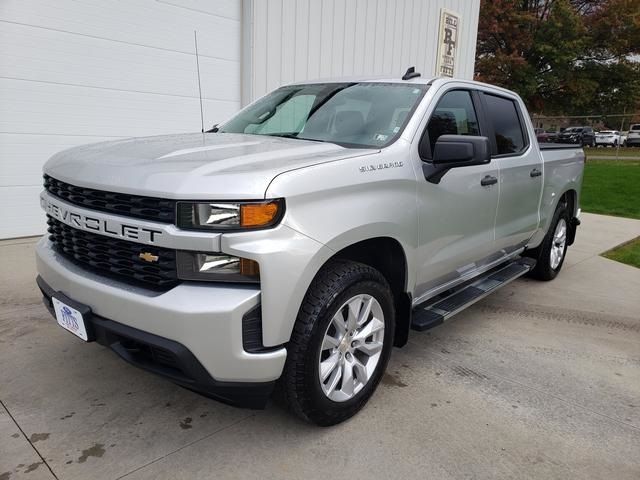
(162, 356)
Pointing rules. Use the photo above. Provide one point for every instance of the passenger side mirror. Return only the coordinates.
(455, 151)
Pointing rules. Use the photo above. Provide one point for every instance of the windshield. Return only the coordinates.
(574, 129)
(349, 114)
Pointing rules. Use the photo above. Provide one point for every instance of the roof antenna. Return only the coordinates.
(411, 73)
(195, 39)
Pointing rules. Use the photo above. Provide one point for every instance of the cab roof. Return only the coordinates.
(416, 80)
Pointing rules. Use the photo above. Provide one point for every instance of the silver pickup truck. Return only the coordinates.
(297, 243)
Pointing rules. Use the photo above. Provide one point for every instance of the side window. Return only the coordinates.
(506, 123)
(454, 115)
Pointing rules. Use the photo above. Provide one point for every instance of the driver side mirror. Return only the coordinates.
(455, 151)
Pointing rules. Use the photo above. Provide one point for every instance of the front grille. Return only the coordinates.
(136, 206)
(114, 257)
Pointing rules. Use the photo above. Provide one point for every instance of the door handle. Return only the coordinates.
(535, 173)
(488, 180)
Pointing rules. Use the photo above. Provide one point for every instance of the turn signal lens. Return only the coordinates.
(249, 268)
(258, 214)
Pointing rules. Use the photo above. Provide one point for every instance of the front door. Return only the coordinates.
(455, 216)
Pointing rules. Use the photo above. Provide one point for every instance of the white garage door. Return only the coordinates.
(74, 72)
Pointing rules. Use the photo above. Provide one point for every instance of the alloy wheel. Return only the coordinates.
(559, 243)
(351, 348)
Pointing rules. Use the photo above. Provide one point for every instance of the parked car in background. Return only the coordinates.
(547, 136)
(633, 138)
(623, 138)
(608, 138)
(584, 136)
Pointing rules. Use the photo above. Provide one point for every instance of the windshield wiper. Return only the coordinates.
(283, 135)
(294, 135)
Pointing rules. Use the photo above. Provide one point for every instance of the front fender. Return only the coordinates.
(331, 206)
(343, 203)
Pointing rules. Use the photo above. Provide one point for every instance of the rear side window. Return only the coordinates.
(454, 115)
(506, 124)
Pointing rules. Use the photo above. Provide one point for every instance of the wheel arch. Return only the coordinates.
(388, 256)
(570, 197)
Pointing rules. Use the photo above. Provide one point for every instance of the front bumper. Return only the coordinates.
(203, 320)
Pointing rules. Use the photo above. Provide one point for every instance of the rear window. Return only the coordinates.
(506, 124)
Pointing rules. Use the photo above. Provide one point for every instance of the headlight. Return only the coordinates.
(225, 216)
(216, 267)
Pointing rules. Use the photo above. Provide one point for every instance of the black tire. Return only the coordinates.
(300, 386)
(542, 254)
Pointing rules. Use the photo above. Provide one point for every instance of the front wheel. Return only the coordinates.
(340, 345)
(551, 253)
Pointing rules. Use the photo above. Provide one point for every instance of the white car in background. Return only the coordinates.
(608, 138)
(633, 138)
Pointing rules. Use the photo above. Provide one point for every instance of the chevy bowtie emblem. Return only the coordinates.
(148, 257)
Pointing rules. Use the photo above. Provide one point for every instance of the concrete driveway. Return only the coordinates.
(541, 380)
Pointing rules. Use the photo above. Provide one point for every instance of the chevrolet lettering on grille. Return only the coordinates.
(97, 223)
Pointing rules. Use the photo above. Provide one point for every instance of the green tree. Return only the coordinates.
(562, 56)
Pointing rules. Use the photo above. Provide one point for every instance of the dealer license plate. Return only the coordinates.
(70, 319)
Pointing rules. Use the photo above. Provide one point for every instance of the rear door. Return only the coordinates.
(520, 171)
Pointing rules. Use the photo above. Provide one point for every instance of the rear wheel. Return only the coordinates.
(551, 253)
(340, 345)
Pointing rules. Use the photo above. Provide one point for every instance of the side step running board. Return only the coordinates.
(435, 313)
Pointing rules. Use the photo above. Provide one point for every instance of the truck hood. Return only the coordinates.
(220, 166)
